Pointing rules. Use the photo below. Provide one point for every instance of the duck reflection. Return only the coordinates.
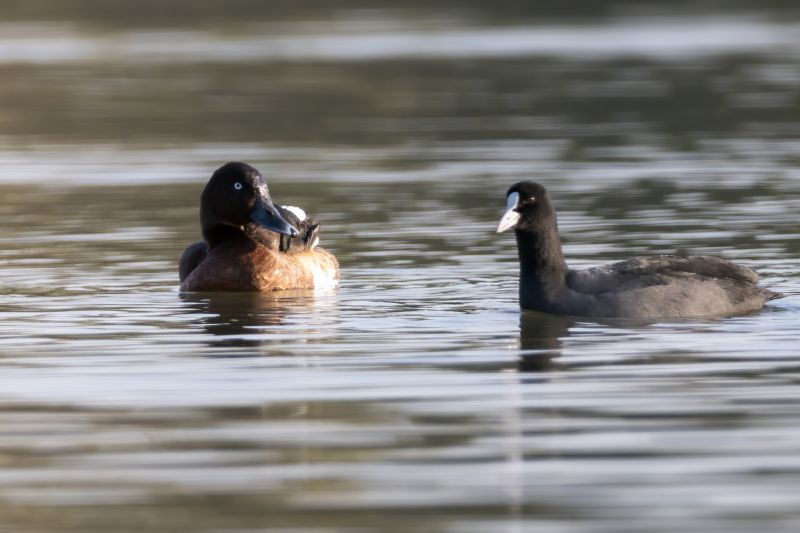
(254, 320)
(540, 338)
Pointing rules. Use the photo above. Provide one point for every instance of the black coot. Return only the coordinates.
(644, 287)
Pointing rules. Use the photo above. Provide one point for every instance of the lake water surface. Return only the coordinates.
(416, 397)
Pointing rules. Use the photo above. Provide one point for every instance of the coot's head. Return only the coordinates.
(527, 207)
(237, 195)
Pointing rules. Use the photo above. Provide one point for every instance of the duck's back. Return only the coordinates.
(663, 287)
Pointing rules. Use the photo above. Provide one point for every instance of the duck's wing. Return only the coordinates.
(307, 227)
(657, 270)
(308, 232)
(191, 257)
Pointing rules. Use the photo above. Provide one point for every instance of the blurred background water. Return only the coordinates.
(415, 397)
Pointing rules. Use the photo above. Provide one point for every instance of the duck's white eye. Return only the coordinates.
(237, 186)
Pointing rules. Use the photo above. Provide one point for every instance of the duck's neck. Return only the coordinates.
(217, 234)
(543, 270)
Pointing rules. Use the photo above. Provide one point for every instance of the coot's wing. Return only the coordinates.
(191, 257)
(657, 270)
(704, 265)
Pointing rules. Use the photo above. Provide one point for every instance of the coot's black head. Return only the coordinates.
(527, 207)
(237, 195)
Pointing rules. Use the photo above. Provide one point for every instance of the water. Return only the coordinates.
(416, 396)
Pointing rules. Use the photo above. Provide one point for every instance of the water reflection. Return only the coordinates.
(255, 320)
(541, 335)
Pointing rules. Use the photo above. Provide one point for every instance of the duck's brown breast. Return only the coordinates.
(259, 269)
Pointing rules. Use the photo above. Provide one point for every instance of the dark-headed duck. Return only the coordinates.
(645, 287)
(249, 243)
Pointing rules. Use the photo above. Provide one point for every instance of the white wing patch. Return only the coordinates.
(296, 211)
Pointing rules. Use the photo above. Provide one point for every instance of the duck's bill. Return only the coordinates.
(265, 214)
(511, 216)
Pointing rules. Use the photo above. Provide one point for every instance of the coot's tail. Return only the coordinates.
(772, 295)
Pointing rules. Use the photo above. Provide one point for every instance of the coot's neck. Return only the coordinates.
(543, 270)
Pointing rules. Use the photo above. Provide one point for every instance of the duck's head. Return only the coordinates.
(237, 196)
(527, 207)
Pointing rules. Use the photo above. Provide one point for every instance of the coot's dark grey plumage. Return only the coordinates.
(644, 287)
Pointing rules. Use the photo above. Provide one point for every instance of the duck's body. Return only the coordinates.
(644, 287)
(250, 266)
(246, 250)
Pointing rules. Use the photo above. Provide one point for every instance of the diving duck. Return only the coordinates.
(251, 244)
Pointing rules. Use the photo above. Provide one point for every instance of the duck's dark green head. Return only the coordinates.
(237, 195)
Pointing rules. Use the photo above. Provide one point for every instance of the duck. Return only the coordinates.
(664, 286)
(249, 243)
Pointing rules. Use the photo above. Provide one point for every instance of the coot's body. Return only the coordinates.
(644, 287)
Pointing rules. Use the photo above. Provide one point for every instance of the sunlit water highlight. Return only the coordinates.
(372, 40)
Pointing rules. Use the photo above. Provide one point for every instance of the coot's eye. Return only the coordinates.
(237, 186)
